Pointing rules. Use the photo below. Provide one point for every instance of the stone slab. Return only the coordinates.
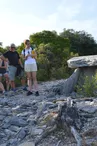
(27, 144)
(82, 61)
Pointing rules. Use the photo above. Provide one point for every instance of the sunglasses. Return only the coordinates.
(13, 47)
(28, 43)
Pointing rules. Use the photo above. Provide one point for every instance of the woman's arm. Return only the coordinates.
(5, 65)
(24, 57)
(2, 87)
(3, 58)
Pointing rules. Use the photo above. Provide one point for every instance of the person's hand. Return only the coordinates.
(26, 56)
(22, 66)
(34, 56)
(29, 55)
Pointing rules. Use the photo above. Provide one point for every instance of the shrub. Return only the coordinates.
(59, 73)
(89, 88)
(42, 75)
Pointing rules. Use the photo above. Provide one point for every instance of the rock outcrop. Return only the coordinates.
(82, 61)
(47, 120)
(87, 66)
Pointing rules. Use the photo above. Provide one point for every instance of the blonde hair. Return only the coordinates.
(26, 41)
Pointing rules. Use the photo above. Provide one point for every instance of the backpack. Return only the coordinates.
(19, 70)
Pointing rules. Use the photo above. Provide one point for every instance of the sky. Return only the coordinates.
(21, 18)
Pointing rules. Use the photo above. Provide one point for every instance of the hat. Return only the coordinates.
(12, 46)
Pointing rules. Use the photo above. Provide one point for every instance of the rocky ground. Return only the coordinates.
(51, 119)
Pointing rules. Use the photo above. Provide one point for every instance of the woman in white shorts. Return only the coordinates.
(30, 67)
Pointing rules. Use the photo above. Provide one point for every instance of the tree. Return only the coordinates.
(50, 62)
(46, 37)
(80, 42)
(20, 48)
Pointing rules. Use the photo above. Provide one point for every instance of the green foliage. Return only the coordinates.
(59, 73)
(42, 75)
(89, 88)
(2, 50)
(20, 48)
(51, 37)
(80, 42)
(43, 37)
(51, 61)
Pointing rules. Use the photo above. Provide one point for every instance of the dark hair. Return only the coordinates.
(26, 41)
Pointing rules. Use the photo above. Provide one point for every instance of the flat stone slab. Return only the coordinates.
(82, 61)
(27, 144)
(88, 106)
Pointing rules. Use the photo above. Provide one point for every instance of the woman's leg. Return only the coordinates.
(29, 81)
(35, 86)
(7, 81)
(23, 83)
(0, 77)
(2, 87)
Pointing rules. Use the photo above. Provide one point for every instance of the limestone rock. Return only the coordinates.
(27, 144)
(39, 119)
(82, 61)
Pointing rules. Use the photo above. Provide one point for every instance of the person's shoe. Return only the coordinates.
(25, 89)
(5, 93)
(36, 93)
(14, 89)
(29, 93)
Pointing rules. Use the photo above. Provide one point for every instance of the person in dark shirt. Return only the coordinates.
(14, 60)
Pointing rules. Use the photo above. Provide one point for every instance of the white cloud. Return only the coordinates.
(69, 9)
(69, 13)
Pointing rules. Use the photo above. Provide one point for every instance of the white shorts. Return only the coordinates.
(30, 67)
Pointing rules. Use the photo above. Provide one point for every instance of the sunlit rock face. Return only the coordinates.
(82, 61)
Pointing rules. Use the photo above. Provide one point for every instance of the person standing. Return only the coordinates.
(4, 73)
(30, 67)
(14, 60)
